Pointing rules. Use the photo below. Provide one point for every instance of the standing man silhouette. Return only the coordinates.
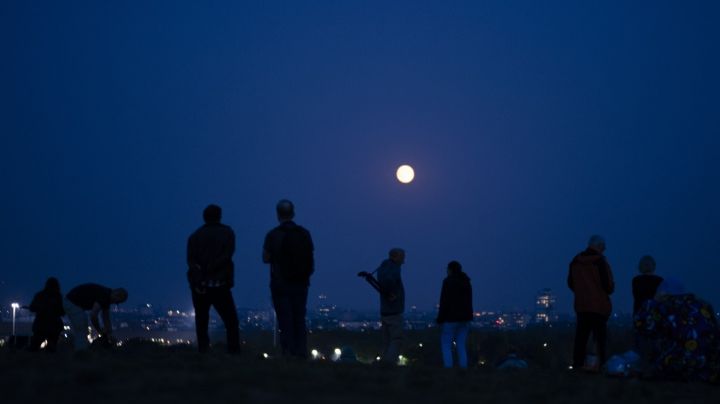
(289, 250)
(591, 280)
(211, 274)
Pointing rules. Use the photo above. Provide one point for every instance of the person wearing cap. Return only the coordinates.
(95, 299)
(211, 275)
(644, 286)
(683, 335)
(289, 250)
(591, 281)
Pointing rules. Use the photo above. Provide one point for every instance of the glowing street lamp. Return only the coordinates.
(14, 306)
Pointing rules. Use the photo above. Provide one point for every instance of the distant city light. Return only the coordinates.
(265, 355)
(420, 345)
(377, 358)
(315, 353)
(545, 345)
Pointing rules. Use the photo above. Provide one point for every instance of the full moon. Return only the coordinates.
(405, 174)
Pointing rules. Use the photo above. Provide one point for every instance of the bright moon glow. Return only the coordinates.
(405, 174)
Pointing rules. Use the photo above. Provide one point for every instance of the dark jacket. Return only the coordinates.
(456, 299)
(392, 298)
(591, 280)
(644, 288)
(209, 256)
(48, 308)
(290, 253)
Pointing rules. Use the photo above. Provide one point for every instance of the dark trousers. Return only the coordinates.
(589, 323)
(220, 298)
(289, 301)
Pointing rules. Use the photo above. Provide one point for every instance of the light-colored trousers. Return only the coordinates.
(78, 322)
(392, 329)
(454, 332)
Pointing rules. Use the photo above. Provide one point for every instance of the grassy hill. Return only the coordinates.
(140, 372)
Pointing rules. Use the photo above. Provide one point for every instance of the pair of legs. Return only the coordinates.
(79, 324)
(392, 329)
(454, 332)
(220, 298)
(290, 301)
(589, 323)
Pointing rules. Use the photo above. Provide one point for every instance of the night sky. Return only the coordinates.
(531, 125)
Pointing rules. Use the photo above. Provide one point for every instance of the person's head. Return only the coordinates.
(212, 214)
(397, 255)
(646, 265)
(597, 243)
(52, 285)
(669, 287)
(285, 210)
(454, 268)
(118, 295)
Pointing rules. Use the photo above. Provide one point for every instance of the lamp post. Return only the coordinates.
(14, 306)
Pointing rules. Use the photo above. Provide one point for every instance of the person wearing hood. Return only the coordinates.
(392, 304)
(591, 281)
(455, 314)
(48, 308)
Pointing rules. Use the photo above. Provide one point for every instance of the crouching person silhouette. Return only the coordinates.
(95, 299)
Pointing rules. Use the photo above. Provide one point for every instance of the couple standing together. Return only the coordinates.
(288, 248)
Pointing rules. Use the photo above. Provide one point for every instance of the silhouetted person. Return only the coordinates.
(644, 286)
(289, 250)
(392, 304)
(211, 274)
(591, 280)
(48, 308)
(455, 314)
(94, 298)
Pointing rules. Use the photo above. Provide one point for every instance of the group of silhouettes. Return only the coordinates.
(676, 333)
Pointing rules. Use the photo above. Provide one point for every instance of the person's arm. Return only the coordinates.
(94, 320)
(107, 325)
(266, 257)
(606, 278)
(443, 303)
(569, 278)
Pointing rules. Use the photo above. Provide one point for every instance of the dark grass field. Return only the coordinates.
(140, 372)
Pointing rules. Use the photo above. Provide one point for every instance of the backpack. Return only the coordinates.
(296, 262)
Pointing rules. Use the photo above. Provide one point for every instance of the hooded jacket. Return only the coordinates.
(392, 298)
(456, 299)
(591, 280)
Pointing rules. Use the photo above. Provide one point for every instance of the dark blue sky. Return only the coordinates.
(531, 125)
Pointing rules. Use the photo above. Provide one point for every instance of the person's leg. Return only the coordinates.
(582, 333)
(283, 312)
(298, 306)
(461, 333)
(225, 306)
(599, 330)
(446, 338)
(385, 328)
(395, 335)
(201, 304)
(78, 323)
